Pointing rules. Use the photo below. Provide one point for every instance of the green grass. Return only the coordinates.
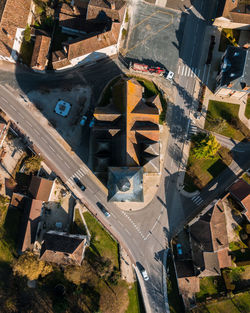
(209, 286)
(224, 41)
(246, 178)
(239, 303)
(247, 111)
(133, 306)
(174, 299)
(26, 52)
(222, 118)
(101, 242)
(200, 172)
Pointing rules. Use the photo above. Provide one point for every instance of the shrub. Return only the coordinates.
(27, 33)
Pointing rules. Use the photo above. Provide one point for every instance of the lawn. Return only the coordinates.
(134, 303)
(233, 34)
(101, 242)
(210, 286)
(200, 172)
(222, 118)
(174, 299)
(247, 111)
(239, 303)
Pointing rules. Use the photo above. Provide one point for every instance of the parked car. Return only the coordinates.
(179, 249)
(79, 183)
(92, 122)
(145, 275)
(102, 208)
(83, 120)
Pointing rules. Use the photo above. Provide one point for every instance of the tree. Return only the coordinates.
(28, 265)
(32, 164)
(27, 33)
(205, 146)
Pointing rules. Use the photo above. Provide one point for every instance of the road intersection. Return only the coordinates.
(144, 233)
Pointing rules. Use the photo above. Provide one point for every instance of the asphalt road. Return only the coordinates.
(143, 233)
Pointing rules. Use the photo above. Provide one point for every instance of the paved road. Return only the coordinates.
(144, 233)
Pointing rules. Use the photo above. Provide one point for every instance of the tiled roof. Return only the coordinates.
(63, 248)
(31, 218)
(81, 46)
(15, 15)
(208, 238)
(136, 121)
(241, 191)
(103, 9)
(40, 188)
(237, 11)
(40, 52)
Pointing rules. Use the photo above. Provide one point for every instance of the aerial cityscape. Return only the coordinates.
(124, 156)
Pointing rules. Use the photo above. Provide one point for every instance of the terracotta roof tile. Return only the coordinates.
(15, 15)
(241, 191)
(40, 188)
(40, 52)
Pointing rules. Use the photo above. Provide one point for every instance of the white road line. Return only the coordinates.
(189, 70)
(82, 173)
(199, 202)
(127, 231)
(196, 196)
(67, 164)
(36, 131)
(77, 175)
(183, 67)
(179, 69)
(43, 139)
(21, 115)
(51, 148)
(186, 69)
(59, 157)
(4, 99)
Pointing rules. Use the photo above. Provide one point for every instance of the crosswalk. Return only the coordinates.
(185, 70)
(82, 171)
(197, 199)
(193, 129)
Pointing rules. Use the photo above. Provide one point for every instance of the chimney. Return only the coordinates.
(112, 3)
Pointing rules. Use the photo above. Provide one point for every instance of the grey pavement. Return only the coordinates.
(144, 233)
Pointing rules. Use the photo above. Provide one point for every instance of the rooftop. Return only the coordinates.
(40, 188)
(40, 52)
(241, 191)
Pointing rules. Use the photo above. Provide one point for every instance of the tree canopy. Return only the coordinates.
(205, 146)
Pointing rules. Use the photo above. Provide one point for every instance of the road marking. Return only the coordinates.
(51, 148)
(13, 108)
(59, 157)
(183, 67)
(43, 139)
(186, 70)
(189, 70)
(21, 115)
(198, 72)
(67, 164)
(127, 231)
(4, 99)
(179, 69)
(78, 176)
(29, 124)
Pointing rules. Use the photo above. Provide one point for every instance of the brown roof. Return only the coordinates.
(63, 248)
(189, 284)
(85, 46)
(112, 9)
(17, 199)
(208, 237)
(241, 191)
(31, 220)
(15, 15)
(237, 11)
(138, 120)
(40, 188)
(224, 258)
(40, 52)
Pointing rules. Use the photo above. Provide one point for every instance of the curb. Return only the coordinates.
(164, 280)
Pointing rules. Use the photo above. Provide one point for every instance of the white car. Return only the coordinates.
(145, 275)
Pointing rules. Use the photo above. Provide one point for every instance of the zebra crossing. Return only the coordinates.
(136, 226)
(197, 199)
(185, 70)
(82, 171)
(193, 129)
